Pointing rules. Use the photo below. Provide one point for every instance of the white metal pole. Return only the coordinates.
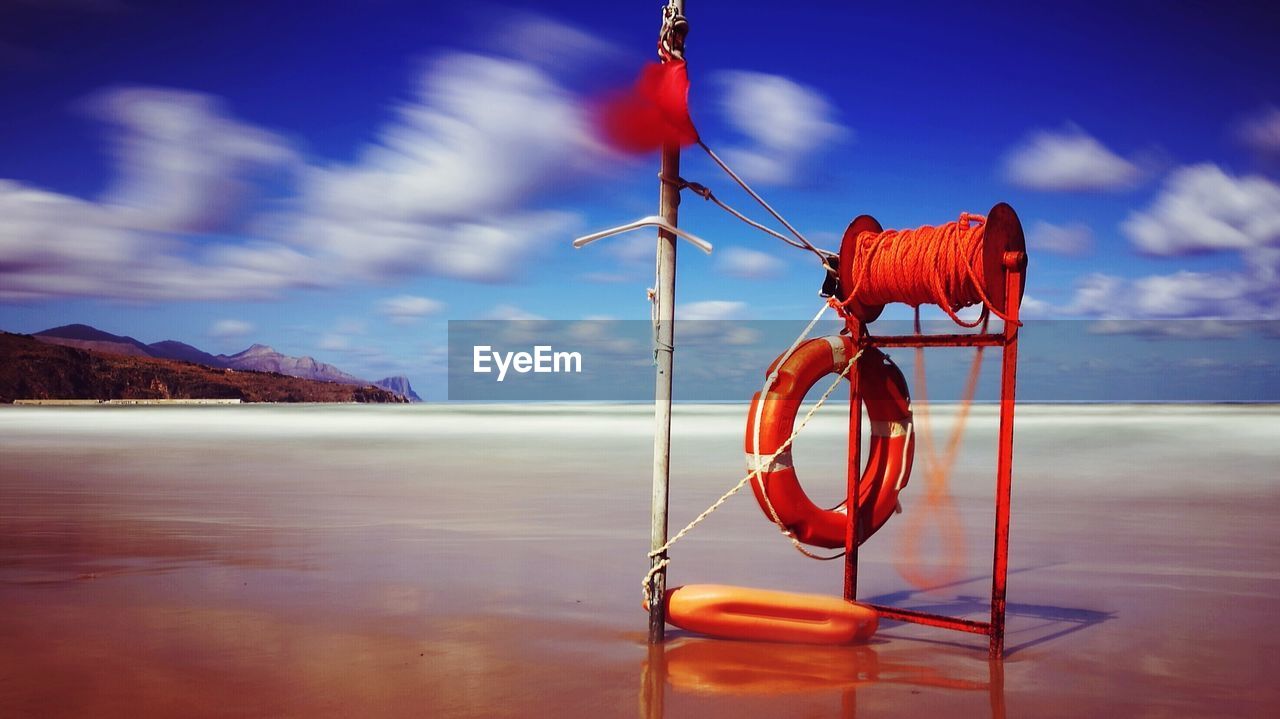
(669, 202)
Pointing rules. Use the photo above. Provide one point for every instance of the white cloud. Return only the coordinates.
(710, 310)
(443, 189)
(183, 166)
(229, 329)
(181, 158)
(750, 264)
(549, 43)
(482, 134)
(1201, 208)
(346, 335)
(406, 309)
(785, 121)
(1164, 329)
(1096, 294)
(1261, 132)
(57, 245)
(451, 187)
(1186, 294)
(334, 342)
(1178, 295)
(1071, 239)
(510, 312)
(1068, 160)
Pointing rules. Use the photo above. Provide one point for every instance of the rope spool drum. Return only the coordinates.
(1003, 247)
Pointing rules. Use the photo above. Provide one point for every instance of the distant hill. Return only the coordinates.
(92, 338)
(32, 368)
(172, 349)
(265, 359)
(400, 385)
(257, 358)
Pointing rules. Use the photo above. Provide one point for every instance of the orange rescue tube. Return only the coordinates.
(889, 457)
(764, 615)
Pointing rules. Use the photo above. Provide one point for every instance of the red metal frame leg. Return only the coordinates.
(1004, 461)
(1000, 566)
(854, 472)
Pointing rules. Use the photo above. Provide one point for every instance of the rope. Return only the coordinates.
(705, 193)
(652, 292)
(760, 463)
(671, 36)
(804, 243)
(937, 503)
(755, 444)
(926, 265)
(655, 313)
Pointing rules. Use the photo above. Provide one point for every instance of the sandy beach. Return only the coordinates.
(486, 562)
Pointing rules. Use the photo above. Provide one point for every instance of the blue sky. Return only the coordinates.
(341, 181)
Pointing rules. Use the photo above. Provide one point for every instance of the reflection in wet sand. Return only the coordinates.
(700, 666)
(82, 653)
(705, 665)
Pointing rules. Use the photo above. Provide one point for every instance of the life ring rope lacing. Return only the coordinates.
(761, 463)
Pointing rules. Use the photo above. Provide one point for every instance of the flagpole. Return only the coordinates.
(664, 338)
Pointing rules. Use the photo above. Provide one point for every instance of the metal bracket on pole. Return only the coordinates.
(648, 221)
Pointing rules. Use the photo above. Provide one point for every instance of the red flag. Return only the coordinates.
(654, 112)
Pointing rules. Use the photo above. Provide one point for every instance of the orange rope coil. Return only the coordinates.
(927, 265)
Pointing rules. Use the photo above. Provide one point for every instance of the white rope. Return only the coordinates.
(760, 463)
(655, 311)
(755, 445)
(768, 208)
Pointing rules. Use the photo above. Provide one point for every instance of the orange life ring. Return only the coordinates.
(892, 446)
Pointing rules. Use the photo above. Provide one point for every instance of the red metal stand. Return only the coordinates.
(1007, 252)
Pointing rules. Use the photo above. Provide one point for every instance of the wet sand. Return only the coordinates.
(485, 562)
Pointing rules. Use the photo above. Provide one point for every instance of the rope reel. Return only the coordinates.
(954, 265)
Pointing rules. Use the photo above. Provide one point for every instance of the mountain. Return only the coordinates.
(33, 368)
(174, 350)
(400, 385)
(262, 358)
(257, 358)
(92, 338)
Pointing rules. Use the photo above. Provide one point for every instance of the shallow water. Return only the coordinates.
(486, 561)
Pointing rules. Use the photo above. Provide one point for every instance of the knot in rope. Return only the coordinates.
(671, 37)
